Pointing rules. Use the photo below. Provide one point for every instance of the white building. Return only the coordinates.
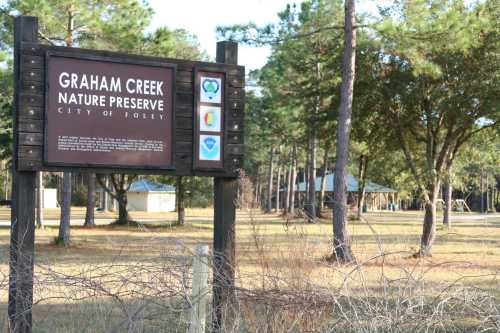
(49, 198)
(149, 196)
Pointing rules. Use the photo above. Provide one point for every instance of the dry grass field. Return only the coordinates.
(115, 279)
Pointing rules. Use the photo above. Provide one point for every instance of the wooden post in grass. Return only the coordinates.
(199, 298)
(225, 193)
(22, 226)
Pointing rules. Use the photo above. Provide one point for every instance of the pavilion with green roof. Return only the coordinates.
(377, 197)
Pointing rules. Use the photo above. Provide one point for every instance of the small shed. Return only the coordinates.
(149, 196)
(49, 198)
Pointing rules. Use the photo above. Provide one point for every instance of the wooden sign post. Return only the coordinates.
(82, 110)
(225, 193)
(22, 227)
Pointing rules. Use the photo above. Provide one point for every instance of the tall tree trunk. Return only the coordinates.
(39, 201)
(257, 187)
(363, 165)
(323, 181)
(257, 191)
(89, 214)
(487, 188)
(180, 201)
(447, 194)
(106, 194)
(270, 171)
(288, 187)
(311, 197)
(492, 197)
(261, 195)
(341, 243)
(291, 204)
(305, 195)
(65, 203)
(497, 198)
(6, 184)
(317, 109)
(64, 225)
(278, 187)
(481, 189)
(429, 228)
(123, 216)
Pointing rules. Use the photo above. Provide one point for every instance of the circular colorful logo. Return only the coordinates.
(209, 119)
(210, 87)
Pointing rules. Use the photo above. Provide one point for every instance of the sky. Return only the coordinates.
(201, 18)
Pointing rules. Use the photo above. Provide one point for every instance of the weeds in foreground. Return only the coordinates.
(281, 286)
(153, 295)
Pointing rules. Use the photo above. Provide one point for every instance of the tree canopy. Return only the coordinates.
(427, 78)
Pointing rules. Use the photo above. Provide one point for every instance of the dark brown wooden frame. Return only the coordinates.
(32, 108)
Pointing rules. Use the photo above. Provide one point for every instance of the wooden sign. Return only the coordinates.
(97, 111)
(110, 112)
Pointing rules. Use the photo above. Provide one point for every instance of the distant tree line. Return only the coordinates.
(425, 109)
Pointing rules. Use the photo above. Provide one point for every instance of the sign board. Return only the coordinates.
(111, 112)
(104, 112)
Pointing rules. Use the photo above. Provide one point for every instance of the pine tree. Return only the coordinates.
(341, 243)
(440, 66)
